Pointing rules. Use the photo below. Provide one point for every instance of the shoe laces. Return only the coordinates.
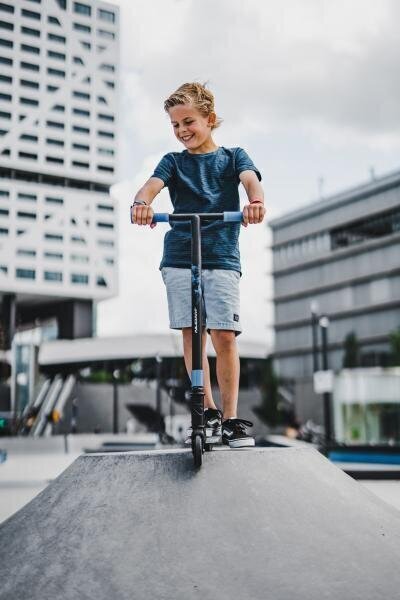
(238, 425)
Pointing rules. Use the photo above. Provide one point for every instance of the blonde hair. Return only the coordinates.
(197, 95)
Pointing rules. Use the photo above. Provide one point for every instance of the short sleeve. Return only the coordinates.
(243, 162)
(165, 169)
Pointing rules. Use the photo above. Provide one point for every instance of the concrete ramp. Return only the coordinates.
(262, 524)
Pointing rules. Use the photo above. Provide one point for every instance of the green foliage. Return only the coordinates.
(268, 410)
(394, 340)
(351, 358)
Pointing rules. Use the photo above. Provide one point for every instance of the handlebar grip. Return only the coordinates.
(233, 217)
(160, 218)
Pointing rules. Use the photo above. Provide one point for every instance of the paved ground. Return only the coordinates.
(258, 524)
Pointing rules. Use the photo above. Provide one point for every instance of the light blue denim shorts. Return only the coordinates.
(221, 302)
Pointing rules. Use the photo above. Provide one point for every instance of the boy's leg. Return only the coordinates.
(228, 370)
(187, 351)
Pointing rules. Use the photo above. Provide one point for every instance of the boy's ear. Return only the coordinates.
(212, 117)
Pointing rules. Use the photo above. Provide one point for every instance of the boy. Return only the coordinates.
(205, 178)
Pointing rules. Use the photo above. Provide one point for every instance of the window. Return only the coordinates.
(53, 20)
(104, 117)
(3, 231)
(5, 97)
(35, 1)
(55, 72)
(25, 273)
(80, 129)
(6, 43)
(62, 4)
(86, 45)
(4, 193)
(56, 55)
(108, 68)
(81, 147)
(101, 100)
(30, 84)
(81, 95)
(29, 31)
(105, 243)
(53, 200)
(105, 225)
(58, 108)
(82, 9)
(27, 155)
(109, 35)
(79, 258)
(52, 88)
(6, 7)
(6, 25)
(3, 131)
(105, 168)
(106, 15)
(5, 79)
(4, 212)
(54, 142)
(78, 61)
(105, 151)
(82, 165)
(55, 124)
(22, 196)
(22, 252)
(29, 101)
(53, 276)
(83, 28)
(5, 61)
(29, 138)
(29, 66)
(107, 134)
(363, 230)
(110, 84)
(53, 255)
(5, 115)
(30, 14)
(26, 215)
(79, 278)
(31, 49)
(81, 112)
(101, 281)
(56, 38)
(78, 239)
(105, 207)
(53, 237)
(55, 159)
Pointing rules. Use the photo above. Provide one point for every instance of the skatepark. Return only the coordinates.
(273, 523)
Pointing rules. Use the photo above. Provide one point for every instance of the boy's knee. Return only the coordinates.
(222, 339)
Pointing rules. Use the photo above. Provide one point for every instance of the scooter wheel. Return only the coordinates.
(208, 447)
(197, 449)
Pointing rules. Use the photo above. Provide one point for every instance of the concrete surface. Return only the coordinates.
(261, 524)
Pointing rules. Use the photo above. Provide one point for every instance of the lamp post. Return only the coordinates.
(314, 332)
(324, 324)
(158, 394)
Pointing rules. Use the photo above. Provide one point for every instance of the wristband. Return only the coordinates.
(256, 201)
(139, 203)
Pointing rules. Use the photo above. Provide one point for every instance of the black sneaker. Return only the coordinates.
(234, 433)
(212, 427)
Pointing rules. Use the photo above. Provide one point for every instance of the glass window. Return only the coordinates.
(54, 237)
(54, 142)
(5, 115)
(53, 255)
(29, 138)
(29, 84)
(101, 100)
(53, 276)
(108, 68)
(55, 124)
(25, 273)
(56, 38)
(31, 49)
(79, 278)
(105, 207)
(22, 196)
(82, 95)
(29, 66)
(110, 84)
(80, 129)
(81, 112)
(27, 155)
(56, 55)
(53, 200)
(105, 151)
(106, 15)
(26, 215)
(30, 14)
(4, 193)
(53, 20)
(101, 281)
(6, 25)
(62, 4)
(105, 168)
(81, 147)
(52, 88)
(107, 134)
(82, 9)
(79, 258)
(3, 231)
(23, 252)
(83, 28)
(29, 101)
(58, 108)
(4, 212)
(5, 61)
(30, 31)
(109, 35)
(55, 159)
(6, 97)
(6, 43)
(363, 230)
(104, 117)
(86, 45)
(82, 165)
(6, 7)
(55, 72)
(105, 225)
(105, 243)
(5, 78)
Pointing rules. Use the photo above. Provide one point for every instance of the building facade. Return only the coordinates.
(58, 133)
(339, 256)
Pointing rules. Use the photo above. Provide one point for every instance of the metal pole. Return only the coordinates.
(158, 394)
(314, 331)
(115, 375)
(324, 324)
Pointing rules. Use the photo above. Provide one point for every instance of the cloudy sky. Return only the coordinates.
(309, 88)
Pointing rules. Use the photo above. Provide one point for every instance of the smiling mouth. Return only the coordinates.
(187, 138)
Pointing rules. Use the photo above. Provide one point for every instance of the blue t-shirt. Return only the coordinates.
(204, 183)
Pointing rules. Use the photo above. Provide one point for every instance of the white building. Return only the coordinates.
(58, 122)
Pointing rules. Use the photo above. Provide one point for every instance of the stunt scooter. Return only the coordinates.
(199, 444)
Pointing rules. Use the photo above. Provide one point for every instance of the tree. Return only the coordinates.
(394, 339)
(351, 358)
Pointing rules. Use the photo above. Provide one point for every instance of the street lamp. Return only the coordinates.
(314, 331)
(324, 324)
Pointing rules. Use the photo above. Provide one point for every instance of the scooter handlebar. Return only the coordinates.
(227, 217)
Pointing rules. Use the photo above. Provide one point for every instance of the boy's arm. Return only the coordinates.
(253, 212)
(142, 214)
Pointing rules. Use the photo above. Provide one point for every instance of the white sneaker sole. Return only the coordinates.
(244, 443)
(211, 437)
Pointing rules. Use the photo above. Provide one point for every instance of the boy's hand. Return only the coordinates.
(141, 214)
(253, 213)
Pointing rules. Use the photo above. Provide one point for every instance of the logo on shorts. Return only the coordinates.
(235, 317)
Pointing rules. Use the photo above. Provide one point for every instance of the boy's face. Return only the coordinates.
(191, 128)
